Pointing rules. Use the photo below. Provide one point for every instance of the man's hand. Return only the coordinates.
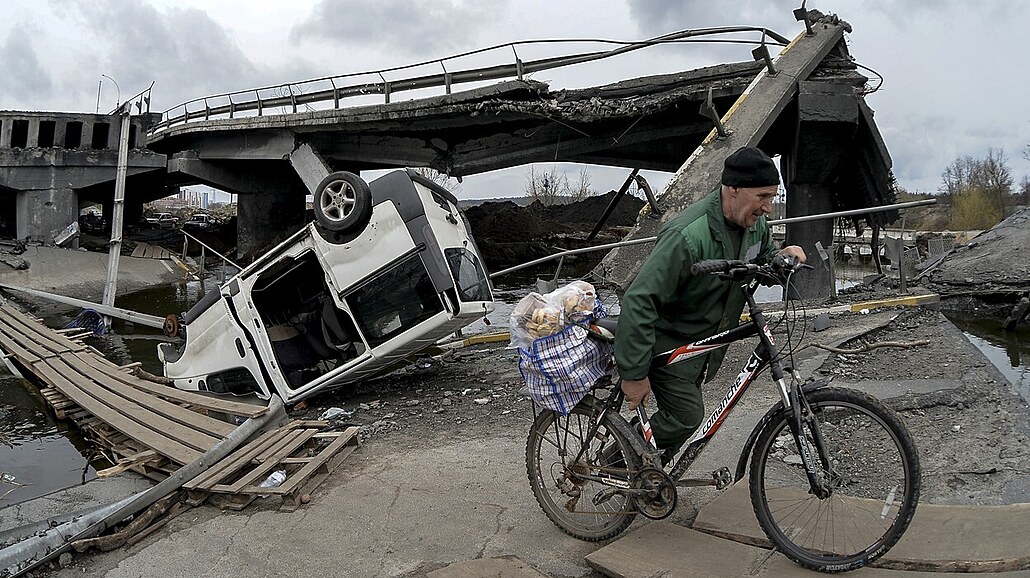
(636, 391)
(793, 251)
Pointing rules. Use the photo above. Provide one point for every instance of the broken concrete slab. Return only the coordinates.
(940, 538)
(671, 551)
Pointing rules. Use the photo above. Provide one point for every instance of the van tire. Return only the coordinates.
(343, 202)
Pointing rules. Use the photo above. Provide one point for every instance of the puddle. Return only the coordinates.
(1009, 351)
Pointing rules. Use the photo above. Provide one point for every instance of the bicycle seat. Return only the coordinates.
(607, 326)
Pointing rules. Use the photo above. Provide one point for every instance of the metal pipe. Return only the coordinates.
(25, 556)
(642, 240)
(573, 252)
(854, 212)
(108, 310)
(201, 243)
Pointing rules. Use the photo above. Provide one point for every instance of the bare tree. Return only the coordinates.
(581, 188)
(546, 186)
(981, 183)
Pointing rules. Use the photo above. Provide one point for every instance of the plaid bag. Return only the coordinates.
(560, 369)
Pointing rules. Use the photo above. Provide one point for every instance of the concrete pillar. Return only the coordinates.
(266, 218)
(5, 131)
(33, 137)
(807, 199)
(42, 214)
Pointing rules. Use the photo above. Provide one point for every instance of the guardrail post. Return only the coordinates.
(207, 110)
(336, 94)
(232, 107)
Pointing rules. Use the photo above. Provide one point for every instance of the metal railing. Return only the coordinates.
(642, 240)
(290, 96)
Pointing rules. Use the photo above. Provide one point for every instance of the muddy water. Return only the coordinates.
(1009, 351)
(39, 454)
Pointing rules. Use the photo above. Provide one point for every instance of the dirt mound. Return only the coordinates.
(508, 234)
(996, 260)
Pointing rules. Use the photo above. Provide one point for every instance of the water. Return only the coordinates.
(1009, 351)
(38, 453)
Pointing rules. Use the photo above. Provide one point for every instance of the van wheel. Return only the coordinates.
(343, 202)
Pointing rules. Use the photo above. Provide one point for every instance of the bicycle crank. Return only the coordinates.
(655, 497)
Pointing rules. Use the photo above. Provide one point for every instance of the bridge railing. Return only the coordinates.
(287, 98)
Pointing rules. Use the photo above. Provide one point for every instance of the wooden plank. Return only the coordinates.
(139, 250)
(202, 423)
(128, 463)
(37, 331)
(152, 439)
(295, 439)
(235, 460)
(300, 496)
(298, 477)
(168, 392)
(139, 412)
(11, 346)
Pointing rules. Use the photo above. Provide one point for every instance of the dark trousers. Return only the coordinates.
(681, 408)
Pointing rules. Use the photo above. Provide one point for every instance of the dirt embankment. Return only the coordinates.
(508, 234)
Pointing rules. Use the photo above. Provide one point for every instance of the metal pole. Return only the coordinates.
(114, 251)
(775, 222)
(853, 212)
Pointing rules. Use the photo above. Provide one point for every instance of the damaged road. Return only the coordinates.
(440, 477)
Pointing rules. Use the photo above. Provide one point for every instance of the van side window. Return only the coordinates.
(395, 301)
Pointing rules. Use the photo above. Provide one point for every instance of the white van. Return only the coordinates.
(388, 269)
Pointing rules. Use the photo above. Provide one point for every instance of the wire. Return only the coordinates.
(872, 90)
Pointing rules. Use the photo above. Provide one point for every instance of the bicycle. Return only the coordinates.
(834, 475)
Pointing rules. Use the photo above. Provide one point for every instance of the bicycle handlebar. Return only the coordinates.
(780, 264)
(714, 266)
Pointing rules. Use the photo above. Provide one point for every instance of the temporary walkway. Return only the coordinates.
(154, 428)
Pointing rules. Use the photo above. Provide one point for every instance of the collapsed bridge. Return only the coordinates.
(806, 104)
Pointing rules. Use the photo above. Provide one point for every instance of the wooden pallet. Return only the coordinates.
(306, 454)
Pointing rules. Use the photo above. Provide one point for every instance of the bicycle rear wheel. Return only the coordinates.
(579, 496)
(872, 471)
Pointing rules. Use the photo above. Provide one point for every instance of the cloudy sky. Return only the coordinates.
(955, 80)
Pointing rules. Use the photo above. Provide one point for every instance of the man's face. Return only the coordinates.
(745, 206)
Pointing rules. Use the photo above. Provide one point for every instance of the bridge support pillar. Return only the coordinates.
(805, 199)
(42, 213)
(266, 218)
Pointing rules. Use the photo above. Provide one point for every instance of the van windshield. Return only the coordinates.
(469, 276)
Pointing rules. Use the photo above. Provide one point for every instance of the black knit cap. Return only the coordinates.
(750, 168)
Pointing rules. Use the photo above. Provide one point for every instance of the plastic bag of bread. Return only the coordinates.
(533, 317)
(577, 300)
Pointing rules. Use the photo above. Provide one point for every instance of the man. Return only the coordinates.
(666, 307)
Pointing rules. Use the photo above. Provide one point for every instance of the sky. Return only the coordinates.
(955, 80)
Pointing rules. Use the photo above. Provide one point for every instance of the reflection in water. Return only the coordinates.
(37, 454)
(1009, 351)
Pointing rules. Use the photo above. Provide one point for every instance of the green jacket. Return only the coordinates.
(666, 307)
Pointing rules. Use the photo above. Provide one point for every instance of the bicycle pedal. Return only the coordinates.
(721, 478)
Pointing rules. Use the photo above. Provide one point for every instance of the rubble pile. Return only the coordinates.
(508, 234)
(997, 260)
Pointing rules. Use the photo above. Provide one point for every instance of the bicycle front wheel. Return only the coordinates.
(581, 495)
(870, 465)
